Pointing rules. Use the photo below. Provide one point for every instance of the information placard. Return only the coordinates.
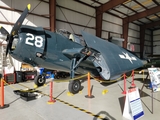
(133, 107)
(154, 74)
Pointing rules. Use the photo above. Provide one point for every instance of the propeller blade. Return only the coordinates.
(16, 27)
(9, 44)
(3, 31)
(19, 22)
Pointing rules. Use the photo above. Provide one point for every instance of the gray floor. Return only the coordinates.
(77, 107)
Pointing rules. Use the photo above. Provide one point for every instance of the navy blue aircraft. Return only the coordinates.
(55, 51)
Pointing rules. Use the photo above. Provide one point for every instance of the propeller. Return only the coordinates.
(16, 27)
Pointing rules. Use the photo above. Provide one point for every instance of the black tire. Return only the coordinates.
(74, 86)
(40, 80)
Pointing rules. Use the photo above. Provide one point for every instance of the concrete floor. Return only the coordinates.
(107, 106)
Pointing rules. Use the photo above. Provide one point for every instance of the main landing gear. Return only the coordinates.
(40, 80)
(75, 85)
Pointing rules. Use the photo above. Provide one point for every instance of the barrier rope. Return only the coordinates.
(58, 80)
(9, 84)
(14, 88)
(105, 81)
(62, 80)
(41, 87)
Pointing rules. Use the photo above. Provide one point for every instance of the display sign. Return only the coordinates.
(133, 107)
(154, 74)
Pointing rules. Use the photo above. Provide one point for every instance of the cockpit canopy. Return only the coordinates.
(72, 37)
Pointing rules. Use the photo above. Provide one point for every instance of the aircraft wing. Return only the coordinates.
(115, 59)
(70, 53)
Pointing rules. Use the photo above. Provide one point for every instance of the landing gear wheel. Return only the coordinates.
(74, 86)
(40, 80)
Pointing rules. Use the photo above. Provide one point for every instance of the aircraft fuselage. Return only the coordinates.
(51, 50)
(44, 49)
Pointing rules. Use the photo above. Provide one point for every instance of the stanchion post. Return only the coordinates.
(2, 105)
(89, 88)
(132, 84)
(2, 94)
(89, 85)
(51, 101)
(124, 91)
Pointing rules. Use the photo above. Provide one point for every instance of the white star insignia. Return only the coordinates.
(126, 56)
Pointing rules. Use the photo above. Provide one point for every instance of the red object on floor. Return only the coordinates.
(124, 91)
(10, 78)
(51, 93)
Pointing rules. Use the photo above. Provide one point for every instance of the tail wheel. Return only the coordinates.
(74, 86)
(40, 80)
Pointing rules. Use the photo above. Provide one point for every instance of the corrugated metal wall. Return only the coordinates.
(37, 7)
(147, 43)
(156, 42)
(74, 17)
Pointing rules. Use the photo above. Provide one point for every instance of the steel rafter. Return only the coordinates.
(109, 5)
(144, 8)
(142, 14)
(52, 12)
(104, 8)
(152, 24)
(155, 1)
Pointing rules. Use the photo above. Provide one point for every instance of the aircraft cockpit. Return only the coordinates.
(77, 39)
(63, 32)
(72, 37)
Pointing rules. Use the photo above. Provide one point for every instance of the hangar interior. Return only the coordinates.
(131, 24)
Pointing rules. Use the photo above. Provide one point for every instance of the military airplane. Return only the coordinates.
(55, 51)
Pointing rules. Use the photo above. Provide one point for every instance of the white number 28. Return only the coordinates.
(30, 40)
